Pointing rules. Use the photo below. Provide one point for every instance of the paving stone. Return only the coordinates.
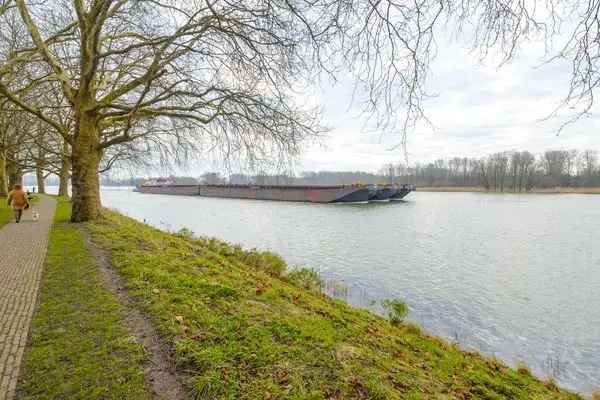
(22, 253)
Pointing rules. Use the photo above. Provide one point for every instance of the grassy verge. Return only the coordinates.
(5, 211)
(78, 348)
(240, 329)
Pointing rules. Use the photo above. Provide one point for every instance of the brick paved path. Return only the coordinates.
(22, 255)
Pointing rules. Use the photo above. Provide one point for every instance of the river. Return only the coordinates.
(513, 276)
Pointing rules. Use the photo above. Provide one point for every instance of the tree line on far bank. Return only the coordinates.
(515, 171)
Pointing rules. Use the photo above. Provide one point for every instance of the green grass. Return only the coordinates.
(78, 348)
(240, 330)
(6, 213)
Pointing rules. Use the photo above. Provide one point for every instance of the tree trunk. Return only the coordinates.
(85, 158)
(3, 183)
(65, 171)
(39, 175)
(39, 170)
(15, 176)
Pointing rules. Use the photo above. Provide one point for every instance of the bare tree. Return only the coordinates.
(483, 170)
(186, 76)
(4, 149)
(588, 166)
(522, 170)
(16, 134)
(212, 178)
(527, 171)
(64, 175)
(498, 165)
(555, 163)
(180, 72)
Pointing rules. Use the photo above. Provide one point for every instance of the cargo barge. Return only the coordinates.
(311, 194)
(383, 193)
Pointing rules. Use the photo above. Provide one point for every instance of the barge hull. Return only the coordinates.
(312, 194)
(403, 191)
(384, 193)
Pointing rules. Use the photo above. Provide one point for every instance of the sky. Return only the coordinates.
(479, 108)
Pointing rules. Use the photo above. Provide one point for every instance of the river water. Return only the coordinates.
(513, 276)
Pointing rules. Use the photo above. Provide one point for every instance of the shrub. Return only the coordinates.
(266, 261)
(306, 278)
(396, 310)
(523, 369)
(185, 233)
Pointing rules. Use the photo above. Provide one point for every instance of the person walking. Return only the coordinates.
(17, 199)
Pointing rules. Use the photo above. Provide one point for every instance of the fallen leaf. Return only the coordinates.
(260, 289)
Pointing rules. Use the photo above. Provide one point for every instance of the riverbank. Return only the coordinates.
(236, 325)
(556, 190)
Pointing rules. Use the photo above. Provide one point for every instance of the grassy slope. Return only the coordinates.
(78, 348)
(240, 333)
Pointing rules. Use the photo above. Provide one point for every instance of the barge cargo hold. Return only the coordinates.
(312, 194)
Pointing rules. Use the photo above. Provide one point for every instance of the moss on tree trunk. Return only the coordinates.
(65, 171)
(15, 175)
(41, 185)
(40, 164)
(3, 182)
(85, 158)
(63, 185)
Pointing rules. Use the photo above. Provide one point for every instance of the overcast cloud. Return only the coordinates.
(479, 109)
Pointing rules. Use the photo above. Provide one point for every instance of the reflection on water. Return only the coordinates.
(513, 276)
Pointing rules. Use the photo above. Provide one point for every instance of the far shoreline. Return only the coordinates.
(444, 189)
(475, 189)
